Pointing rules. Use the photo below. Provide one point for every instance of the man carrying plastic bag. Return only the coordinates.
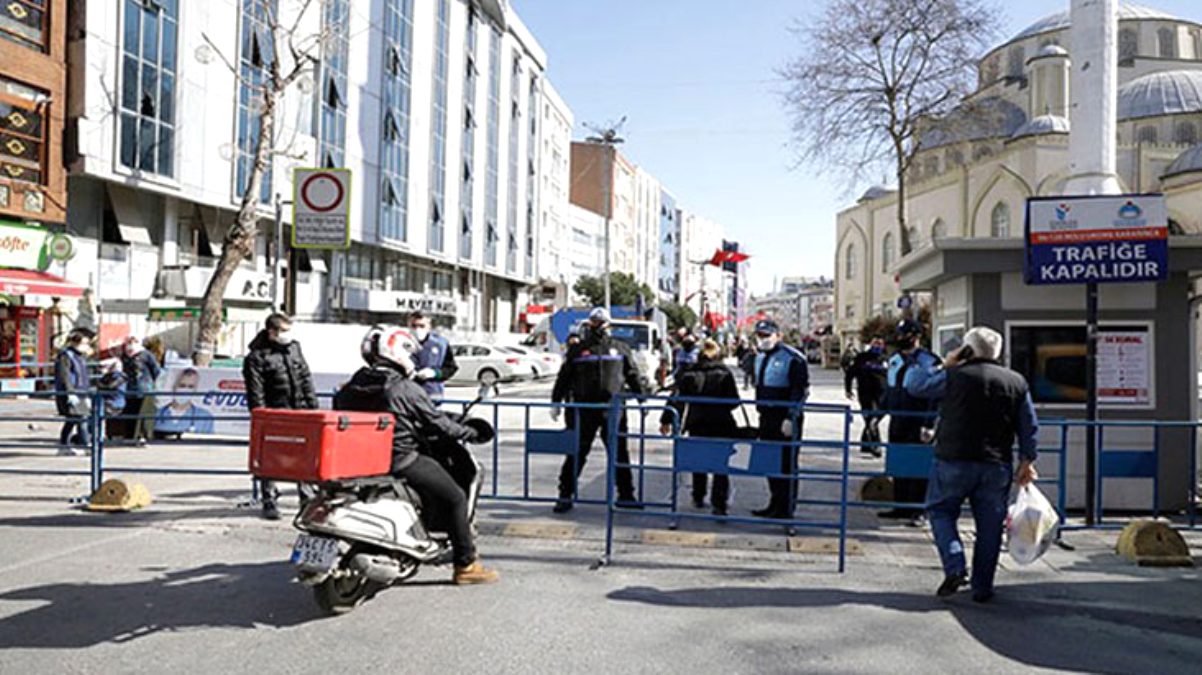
(984, 408)
(1031, 525)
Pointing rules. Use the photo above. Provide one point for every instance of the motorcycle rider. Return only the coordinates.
(867, 372)
(387, 384)
(593, 372)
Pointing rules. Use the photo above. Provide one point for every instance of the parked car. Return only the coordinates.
(544, 364)
(476, 361)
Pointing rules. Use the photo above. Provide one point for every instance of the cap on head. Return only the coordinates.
(766, 327)
(599, 315)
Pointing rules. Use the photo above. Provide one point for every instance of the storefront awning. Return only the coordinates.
(28, 282)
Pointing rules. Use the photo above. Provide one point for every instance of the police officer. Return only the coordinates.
(867, 373)
(916, 414)
(781, 374)
(593, 372)
(686, 354)
(435, 362)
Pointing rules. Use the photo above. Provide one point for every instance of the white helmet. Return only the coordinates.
(392, 344)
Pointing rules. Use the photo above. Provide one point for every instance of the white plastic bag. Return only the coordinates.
(1031, 525)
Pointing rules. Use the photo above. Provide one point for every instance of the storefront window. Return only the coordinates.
(24, 22)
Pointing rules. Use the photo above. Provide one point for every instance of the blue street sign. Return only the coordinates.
(1096, 240)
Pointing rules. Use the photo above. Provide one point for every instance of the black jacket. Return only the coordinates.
(383, 389)
(979, 413)
(142, 370)
(706, 379)
(597, 369)
(277, 376)
(867, 371)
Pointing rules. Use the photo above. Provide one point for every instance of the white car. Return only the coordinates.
(475, 361)
(544, 364)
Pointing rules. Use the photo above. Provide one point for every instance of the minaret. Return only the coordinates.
(1094, 95)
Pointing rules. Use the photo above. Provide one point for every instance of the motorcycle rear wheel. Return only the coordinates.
(343, 593)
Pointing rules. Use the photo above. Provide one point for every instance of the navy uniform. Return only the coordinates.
(781, 374)
(435, 354)
(594, 371)
(908, 428)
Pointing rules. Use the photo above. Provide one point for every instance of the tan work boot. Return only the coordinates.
(474, 573)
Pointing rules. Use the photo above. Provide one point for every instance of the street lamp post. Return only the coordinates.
(608, 137)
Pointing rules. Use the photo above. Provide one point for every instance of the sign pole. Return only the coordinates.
(1091, 402)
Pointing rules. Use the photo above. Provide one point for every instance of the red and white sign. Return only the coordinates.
(1124, 367)
(321, 208)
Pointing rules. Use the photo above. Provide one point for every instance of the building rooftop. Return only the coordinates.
(1170, 92)
(1061, 20)
(1042, 125)
(1189, 161)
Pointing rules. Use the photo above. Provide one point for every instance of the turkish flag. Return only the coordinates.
(721, 257)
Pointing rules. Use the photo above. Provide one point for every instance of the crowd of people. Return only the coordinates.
(969, 407)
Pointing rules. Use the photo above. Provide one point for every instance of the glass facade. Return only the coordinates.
(531, 173)
(147, 105)
(254, 57)
(394, 138)
(438, 137)
(492, 181)
(335, 22)
(467, 184)
(515, 133)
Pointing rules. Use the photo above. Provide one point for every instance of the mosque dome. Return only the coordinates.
(1189, 161)
(975, 121)
(1062, 20)
(876, 192)
(1171, 92)
(1042, 125)
(1051, 50)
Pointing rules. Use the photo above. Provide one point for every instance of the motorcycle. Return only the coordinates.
(360, 536)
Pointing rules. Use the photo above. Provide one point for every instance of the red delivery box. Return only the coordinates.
(310, 446)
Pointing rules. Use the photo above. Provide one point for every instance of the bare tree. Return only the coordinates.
(874, 74)
(278, 77)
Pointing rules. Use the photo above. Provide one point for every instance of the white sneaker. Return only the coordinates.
(68, 451)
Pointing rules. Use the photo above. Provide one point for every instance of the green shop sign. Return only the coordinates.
(31, 248)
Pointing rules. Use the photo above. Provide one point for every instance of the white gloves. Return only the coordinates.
(426, 374)
(786, 428)
(556, 413)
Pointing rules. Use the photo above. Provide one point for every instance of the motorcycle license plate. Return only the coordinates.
(315, 553)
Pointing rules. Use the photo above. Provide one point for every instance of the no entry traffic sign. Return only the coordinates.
(321, 208)
(1095, 240)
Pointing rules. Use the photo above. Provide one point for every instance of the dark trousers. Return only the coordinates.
(783, 490)
(590, 423)
(269, 491)
(721, 488)
(986, 486)
(80, 428)
(445, 502)
(908, 490)
(870, 405)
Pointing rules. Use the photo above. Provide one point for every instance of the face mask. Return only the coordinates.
(876, 350)
(282, 339)
(84, 348)
(688, 345)
(421, 334)
(766, 344)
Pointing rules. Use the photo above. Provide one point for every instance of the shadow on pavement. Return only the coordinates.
(77, 518)
(1075, 633)
(77, 615)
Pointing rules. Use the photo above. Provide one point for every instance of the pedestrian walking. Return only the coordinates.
(984, 408)
(867, 373)
(782, 376)
(909, 416)
(686, 353)
(277, 376)
(142, 370)
(709, 378)
(71, 386)
(435, 360)
(595, 371)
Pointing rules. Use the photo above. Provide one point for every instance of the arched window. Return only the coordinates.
(1146, 135)
(991, 71)
(954, 158)
(1186, 133)
(888, 252)
(849, 262)
(1016, 62)
(1198, 45)
(1128, 46)
(981, 152)
(931, 166)
(1167, 37)
(915, 237)
(999, 221)
(939, 229)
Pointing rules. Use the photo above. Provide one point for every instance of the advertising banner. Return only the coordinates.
(1109, 239)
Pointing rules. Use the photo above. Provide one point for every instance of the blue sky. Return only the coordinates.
(697, 80)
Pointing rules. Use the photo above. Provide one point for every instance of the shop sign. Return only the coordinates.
(407, 302)
(1079, 240)
(179, 313)
(23, 248)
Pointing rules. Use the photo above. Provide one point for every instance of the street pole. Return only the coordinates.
(1091, 402)
(609, 212)
(279, 253)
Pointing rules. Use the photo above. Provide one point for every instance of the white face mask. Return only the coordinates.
(766, 344)
(282, 339)
(421, 334)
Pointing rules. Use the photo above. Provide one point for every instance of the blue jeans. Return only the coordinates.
(986, 486)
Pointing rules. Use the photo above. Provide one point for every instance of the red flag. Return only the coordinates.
(720, 257)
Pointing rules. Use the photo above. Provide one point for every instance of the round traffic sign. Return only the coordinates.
(905, 302)
(322, 192)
